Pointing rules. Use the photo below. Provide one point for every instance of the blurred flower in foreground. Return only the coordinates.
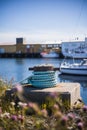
(13, 103)
(80, 125)
(23, 105)
(34, 106)
(44, 112)
(64, 120)
(14, 117)
(53, 94)
(84, 108)
(17, 88)
(21, 118)
(71, 116)
(6, 114)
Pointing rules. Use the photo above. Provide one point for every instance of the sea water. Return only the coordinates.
(18, 69)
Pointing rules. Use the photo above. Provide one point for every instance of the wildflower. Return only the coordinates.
(21, 118)
(77, 119)
(17, 88)
(6, 114)
(53, 94)
(1, 128)
(84, 108)
(64, 120)
(80, 125)
(44, 112)
(30, 104)
(13, 103)
(57, 114)
(71, 116)
(14, 117)
(23, 105)
(34, 107)
(55, 107)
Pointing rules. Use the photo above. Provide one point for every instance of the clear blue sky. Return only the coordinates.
(42, 20)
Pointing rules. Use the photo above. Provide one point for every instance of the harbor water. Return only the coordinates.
(18, 69)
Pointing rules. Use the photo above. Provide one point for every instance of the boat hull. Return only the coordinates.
(74, 71)
(50, 55)
(76, 55)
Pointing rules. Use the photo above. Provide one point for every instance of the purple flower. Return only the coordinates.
(80, 125)
(84, 108)
(14, 117)
(71, 116)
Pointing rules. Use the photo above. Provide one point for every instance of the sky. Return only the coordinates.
(40, 21)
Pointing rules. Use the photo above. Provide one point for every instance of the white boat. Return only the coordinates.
(75, 49)
(51, 54)
(74, 68)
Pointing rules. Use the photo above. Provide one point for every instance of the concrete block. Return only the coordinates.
(69, 92)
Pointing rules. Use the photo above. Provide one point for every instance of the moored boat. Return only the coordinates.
(74, 68)
(51, 54)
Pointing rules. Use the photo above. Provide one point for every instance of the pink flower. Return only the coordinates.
(30, 104)
(44, 112)
(55, 107)
(21, 118)
(80, 125)
(64, 120)
(17, 88)
(53, 94)
(1, 128)
(34, 106)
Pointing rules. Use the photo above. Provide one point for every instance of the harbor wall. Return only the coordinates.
(23, 55)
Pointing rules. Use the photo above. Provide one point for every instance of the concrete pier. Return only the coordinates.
(69, 92)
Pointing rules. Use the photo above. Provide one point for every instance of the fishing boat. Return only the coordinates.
(74, 68)
(51, 54)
